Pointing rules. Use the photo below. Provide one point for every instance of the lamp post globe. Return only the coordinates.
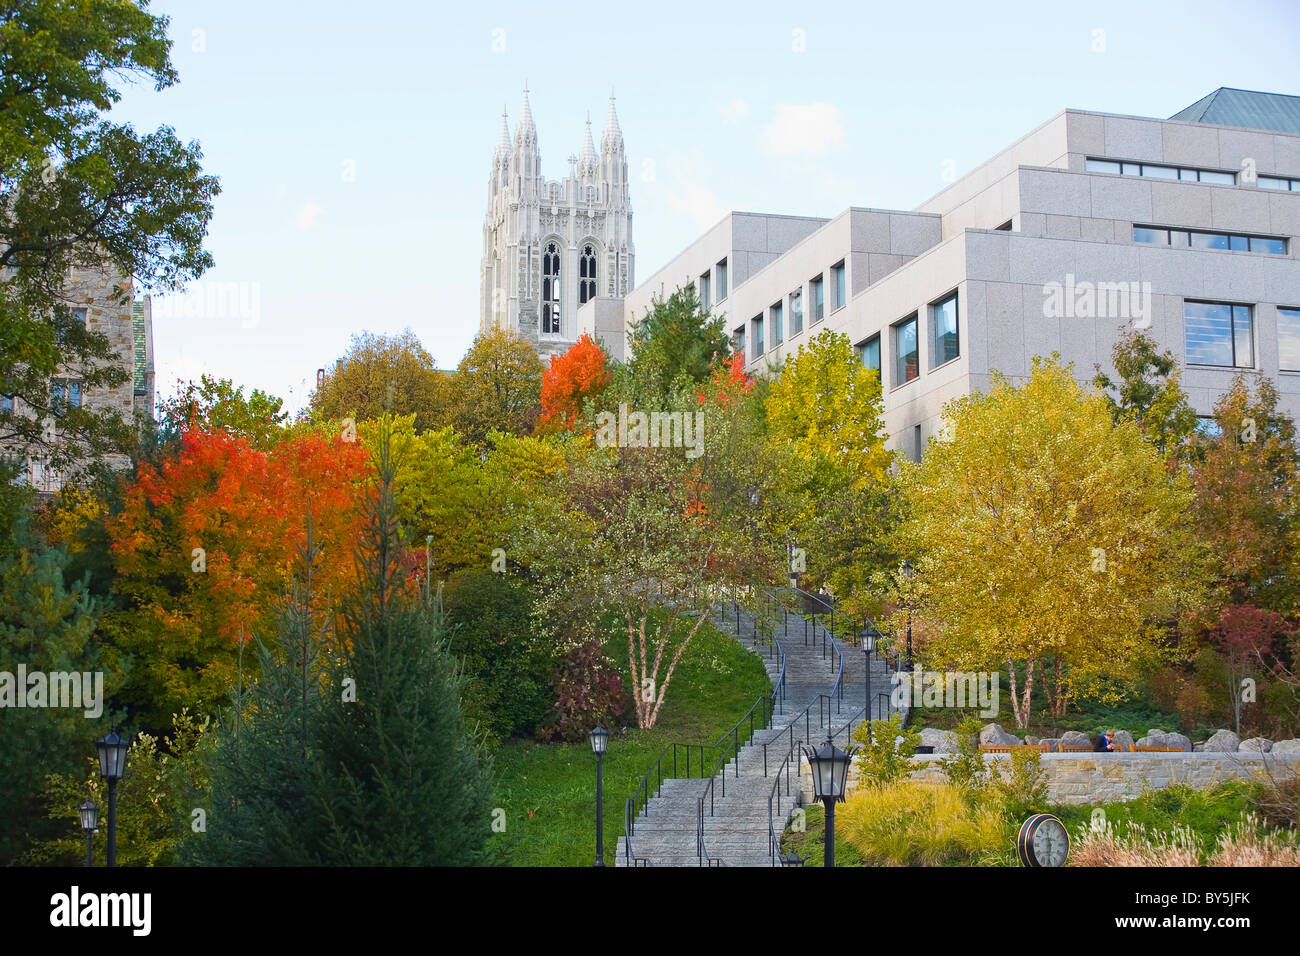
(112, 751)
(830, 771)
(89, 814)
(599, 738)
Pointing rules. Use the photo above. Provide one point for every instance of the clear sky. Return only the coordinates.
(354, 140)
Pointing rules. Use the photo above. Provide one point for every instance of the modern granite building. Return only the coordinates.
(1091, 223)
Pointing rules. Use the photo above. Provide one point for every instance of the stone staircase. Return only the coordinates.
(736, 810)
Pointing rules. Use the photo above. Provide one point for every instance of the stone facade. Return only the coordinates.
(550, 246)
(129, 327)
(1087, 779)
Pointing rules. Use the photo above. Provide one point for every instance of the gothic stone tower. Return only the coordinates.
(551, 245)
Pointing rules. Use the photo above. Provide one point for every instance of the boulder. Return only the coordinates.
(1223, 742)
(1053, 744)
(1259, 745)
(1076, 738)
(992, 735)
(1289, 746)
(1155, 732)
(1031, 739)
(1198, 747)
(943, 741)
(1175, 741)
(1123, 741)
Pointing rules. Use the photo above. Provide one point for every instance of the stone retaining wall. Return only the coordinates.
(1102, 778)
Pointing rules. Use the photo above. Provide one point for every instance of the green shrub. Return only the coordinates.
(507, 671)
(884, 757)
(966, 767)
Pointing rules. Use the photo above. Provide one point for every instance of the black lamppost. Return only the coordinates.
(909, 573)
(89, 813)
(792, 859)
(112, 765)
(599, 743)
(830, 771)
(869, 645)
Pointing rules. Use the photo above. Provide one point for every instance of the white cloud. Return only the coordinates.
(687, 194)
(807, 128)
(306, 216)
(735, 112)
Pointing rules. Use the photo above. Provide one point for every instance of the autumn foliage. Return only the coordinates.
(581, 372)
(205, 544)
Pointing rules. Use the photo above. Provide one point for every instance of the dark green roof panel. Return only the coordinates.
(137, 327)
(1228, 107)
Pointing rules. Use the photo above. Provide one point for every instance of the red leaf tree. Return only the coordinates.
(581, 372)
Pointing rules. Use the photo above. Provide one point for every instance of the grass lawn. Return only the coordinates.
(548, 791)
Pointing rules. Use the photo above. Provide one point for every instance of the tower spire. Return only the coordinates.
(503, 138)
(589, 158)
(613, 136)
(526, 131)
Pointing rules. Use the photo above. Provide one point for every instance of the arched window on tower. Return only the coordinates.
(551, 290)
(587, 275)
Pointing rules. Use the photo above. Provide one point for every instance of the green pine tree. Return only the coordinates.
(359, 757)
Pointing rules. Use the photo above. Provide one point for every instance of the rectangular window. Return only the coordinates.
(1266, 244)
(6, 403)
(1272, 182)
(1220, 334)
(1234, 242)
(869, 352)
(757, 324)
(816, 290)
(721, 270)
(1158, 171)
(907, 357)
(796, 312)
(1209, 240)
(943, 320)
(775, 314)
(738, 341)
(918, 447)
(1288, 339)
(64, 395)
(79, 316)
(1208, 426)
(837, 280)
(704, 292)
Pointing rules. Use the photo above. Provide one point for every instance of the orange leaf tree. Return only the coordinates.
(204, 547)
(581, 372)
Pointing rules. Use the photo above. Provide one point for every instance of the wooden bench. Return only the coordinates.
(1074, 749)
(1008, 748)
(1158, 750)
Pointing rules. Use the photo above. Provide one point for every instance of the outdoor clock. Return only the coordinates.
(1042, 841)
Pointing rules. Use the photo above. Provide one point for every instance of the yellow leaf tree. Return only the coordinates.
(1048, 538)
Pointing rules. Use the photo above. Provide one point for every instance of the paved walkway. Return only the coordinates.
(736, 831)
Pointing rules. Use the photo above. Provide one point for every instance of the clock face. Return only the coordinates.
(1051, 843)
